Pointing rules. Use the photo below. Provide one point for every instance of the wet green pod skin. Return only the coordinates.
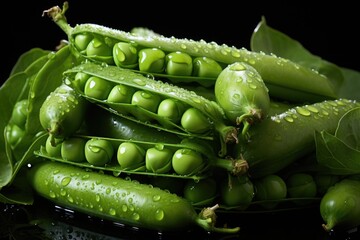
(288, 79)
(241, 92)
(283, 138)
(117, 199)
(62, 112)
(103, 123)
(340, 206)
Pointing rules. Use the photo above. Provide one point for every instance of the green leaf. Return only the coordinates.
(350, 88)
(348, 129)
(271, 41)
(27, 58)
(335, 155)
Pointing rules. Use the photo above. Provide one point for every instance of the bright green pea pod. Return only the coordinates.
(283, 138)
(210, 109)
(285, 79)
(241, 92)
(340, 206)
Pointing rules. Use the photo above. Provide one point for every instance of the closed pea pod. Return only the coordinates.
(62, 112)
(340, 206)
(108, 197)
(283, 138)
(241, 92)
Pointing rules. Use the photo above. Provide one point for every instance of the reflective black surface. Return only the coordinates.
(43, 220)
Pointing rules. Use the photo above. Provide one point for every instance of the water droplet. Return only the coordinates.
(52, 194)
(62, 192)
(70, 199)
(159, 214)
(97, 198)
(112, 211)
(124, 208)
(252, 86)
(289, 119)
(135, 216)
(312, 109)
(303, 111)
(156, 198)
(139, 82)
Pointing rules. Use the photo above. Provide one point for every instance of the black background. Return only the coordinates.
(329, 30)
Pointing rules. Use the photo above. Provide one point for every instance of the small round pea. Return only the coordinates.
(99, 50)
(146, 100)
(271, 187)
(130, 155)
(81, 41)
(14, 134)
(121, 93)
(98, 88)
(152, 60)
(206, 67)
(301, 185)
(158, 159)
(72, 149)
(178, 63)
(98, 152)
(80, 80)
(125, 55)
(187, 161)
(20, 112)
(237, 191)
(202, 192)
(53, 151)
(171, 109)
(193, 120)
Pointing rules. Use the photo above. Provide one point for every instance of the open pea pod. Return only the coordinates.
(192, 158)
(189, 60)
(199, 111)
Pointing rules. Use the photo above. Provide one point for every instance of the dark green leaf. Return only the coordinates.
(335, 155)
(350, 88)
(271, 41)
(27, 58)
(348, 129)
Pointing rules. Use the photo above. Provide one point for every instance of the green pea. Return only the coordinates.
(100, 51)
(147, 100)
(202, 192)
(158, 159)
(80, 80)
(151, 60)
(98, 88)
(53, 151)
(237, 191)
(195, 121)
(178, 63)
(271, 187)
(171, 109)
(14, 134)
(98, 152)
(187, 161)
(73, 149)
(324, 182)
(20, 112)
(81, 41)
(130, 155)
(206, 67)
(121, 93)
(125, 55)
(301, 185)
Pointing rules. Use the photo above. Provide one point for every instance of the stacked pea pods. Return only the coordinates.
(194, 124)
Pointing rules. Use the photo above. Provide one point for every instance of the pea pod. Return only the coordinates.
(283, 138)
(190, 158)
(125, 201)
(241, 92)
(213, 114)
(340, 206)
(62, 113)
(287, 79)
